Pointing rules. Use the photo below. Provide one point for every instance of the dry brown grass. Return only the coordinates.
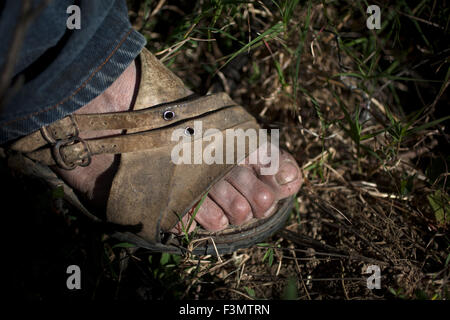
(355, 208)
(352, 212)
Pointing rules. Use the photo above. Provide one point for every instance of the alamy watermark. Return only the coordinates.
(197, 147)
(73, 281)
(74, 20)
(374, 280)
(374, 20)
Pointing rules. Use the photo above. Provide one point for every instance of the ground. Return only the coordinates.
(364, 112)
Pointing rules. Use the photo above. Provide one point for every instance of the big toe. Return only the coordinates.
(287, 181)
(258, 194)
(246, 193)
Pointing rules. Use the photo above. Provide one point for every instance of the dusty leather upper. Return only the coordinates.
(149, 182)
(148, 188)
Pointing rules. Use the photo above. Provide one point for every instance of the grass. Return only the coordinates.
(356, 96)
(364, 112)
(188, 236)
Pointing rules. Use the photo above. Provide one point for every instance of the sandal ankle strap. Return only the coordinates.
(60, 143)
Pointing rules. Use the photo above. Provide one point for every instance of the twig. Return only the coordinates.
(235, 291)
(343, 283)
(300, 274)
(176, 46)
(421, 20)
(157, 8)
(336, 252)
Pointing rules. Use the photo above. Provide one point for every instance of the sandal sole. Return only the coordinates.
(223, 242)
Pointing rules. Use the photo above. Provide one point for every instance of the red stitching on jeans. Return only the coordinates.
(81, 87)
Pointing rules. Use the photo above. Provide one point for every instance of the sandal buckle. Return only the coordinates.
(56, 131)
(59, 159)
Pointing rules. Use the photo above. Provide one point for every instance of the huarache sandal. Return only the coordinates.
(163, 106)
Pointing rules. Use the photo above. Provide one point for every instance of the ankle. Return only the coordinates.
(117, 97)
(93, 182)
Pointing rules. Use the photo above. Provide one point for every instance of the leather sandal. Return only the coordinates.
(163, 105)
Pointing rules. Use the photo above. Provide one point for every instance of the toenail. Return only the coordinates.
(223, 221)
(248, 217)
(270, 211)
(287, 174)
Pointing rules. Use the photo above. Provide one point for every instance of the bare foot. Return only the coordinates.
(242, 195)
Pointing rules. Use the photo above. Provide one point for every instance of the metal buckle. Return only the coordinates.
(49, 137)
(56, 152)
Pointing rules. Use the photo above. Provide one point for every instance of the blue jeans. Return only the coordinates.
(64, 69)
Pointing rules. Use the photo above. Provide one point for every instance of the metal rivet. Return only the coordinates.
(189, 131)
(168, 115)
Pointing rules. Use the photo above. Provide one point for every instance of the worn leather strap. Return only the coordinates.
(150, 118)
(75, 151)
